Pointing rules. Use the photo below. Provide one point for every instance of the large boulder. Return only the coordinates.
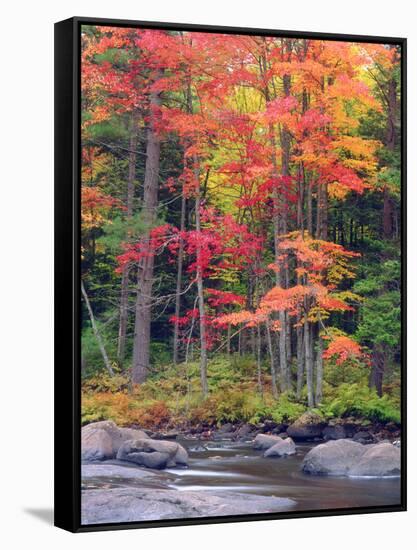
(309, 426)
(129, 504)
(96, 445)
(285, 447)
(345, 457)
(102, 440)
(263, 442)
(153, 453)
(333, 457)
(383, 459)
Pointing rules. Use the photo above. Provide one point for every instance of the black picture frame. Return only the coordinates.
(67, 274)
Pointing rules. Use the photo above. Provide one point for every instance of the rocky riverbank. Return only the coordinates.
(228, 476)
(308, 427)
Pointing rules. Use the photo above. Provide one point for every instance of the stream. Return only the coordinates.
(234, 466)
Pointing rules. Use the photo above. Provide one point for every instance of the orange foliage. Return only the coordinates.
(343, 348)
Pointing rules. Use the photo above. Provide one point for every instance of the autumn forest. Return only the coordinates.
(241, 227)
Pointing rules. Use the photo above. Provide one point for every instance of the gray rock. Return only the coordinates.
(244, 432)
(345, 457)
(181, 456)
(263, 442)
(285, 447)
(104, 469)
(155, 460)
(95, 445)
(378, 460)
(138, 504)
(308, 426)
(333, 457)
(129, 433)
(334, 432)
(167, 453)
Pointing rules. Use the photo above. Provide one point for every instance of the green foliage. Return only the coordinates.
(116, 56)
(119, 230)
(358, 400)
(160, 354)
(92, 359)
(103, 382)
(351, 371)
(283, 410)
(107, 131)
(380, 321)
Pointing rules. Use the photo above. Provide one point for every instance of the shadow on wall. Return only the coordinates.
(43, 514)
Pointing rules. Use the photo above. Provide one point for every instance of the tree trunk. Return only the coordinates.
(390, 137)
(279, 220)
(390, 141)
(272, 360)
(308, 359)
(124, 290)
(200, 294)
(285, 334)
(229, 333)
(376, 376)
(142, 337)
(387, 214)
(179, 282)
(319, 371)
(96, 331)
(300, 358)
(310, 206)
(258, 360)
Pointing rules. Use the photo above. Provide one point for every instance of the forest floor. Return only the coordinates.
(171, 401)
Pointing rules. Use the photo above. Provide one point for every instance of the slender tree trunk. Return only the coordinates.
(96, 331)
(390, 140)
(325, 213)
(272, 360)
(300, 357)
(279, 273)
(279, 219)
(229, 333)
(200, 294)
(387, 214)
(142, 338)
(390, 137)
(179, 282)
(376, 376)
(124, 290)
(318, 211)
(285, 333)
(310, 206)
(300, 197)
(258, 359)
(319, 371)
(308, 353)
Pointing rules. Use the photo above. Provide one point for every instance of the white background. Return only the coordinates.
(26, 255)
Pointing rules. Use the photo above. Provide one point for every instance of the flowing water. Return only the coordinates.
(231, 466)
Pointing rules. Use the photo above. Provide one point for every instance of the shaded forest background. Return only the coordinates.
(240, 228)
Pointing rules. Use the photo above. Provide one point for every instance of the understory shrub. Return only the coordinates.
(359, 400)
